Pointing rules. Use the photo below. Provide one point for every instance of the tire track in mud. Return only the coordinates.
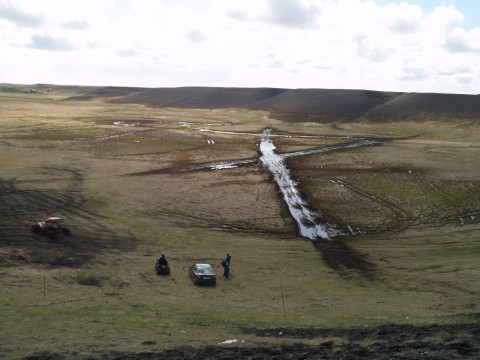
(344, 260)
(403, 218)
(460, 218)
(341, 257)
(50, 197)
(255, 207)
(46, 192)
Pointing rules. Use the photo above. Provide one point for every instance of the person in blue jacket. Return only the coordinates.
(226, 265)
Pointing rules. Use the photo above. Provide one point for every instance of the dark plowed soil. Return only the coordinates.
(201, 97)
(425, 107)
(344, 260)
(52, 192)
(383, 342)
(318, 105)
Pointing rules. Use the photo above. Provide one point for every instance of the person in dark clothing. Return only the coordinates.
(162, 260)
(226, 265)
(162, 266)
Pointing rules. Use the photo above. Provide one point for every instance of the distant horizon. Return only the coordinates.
(229, 87)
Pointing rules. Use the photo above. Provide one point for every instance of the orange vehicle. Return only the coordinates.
(51, 227)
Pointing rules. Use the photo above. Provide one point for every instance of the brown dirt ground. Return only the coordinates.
(382, 342)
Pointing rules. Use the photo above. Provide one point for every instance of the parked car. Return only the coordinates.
(202, 274)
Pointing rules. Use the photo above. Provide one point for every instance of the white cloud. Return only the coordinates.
(238, 15)
(127, 52)
(291, 13)
(76, 24)
(196, 36)
(277, 43)
(48, 42)
(19, 16)
(413, 74)
(464, 80)
(373, 49)
(461, 41)
(403, 18)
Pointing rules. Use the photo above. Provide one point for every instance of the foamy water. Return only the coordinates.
(310, 222)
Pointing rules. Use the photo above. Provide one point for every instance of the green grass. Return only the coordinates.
(10, 89)
(425, 274)
(402, 190)
(50, 136)
(454, 131)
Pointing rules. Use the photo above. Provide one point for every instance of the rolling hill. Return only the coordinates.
(319, 105)
(304, 105)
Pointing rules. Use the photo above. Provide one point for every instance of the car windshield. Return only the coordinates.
(204, 270)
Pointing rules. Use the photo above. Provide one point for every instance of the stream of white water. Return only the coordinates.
(310, 222)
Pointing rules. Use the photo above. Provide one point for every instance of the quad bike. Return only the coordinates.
(51, 227)
(162, 269)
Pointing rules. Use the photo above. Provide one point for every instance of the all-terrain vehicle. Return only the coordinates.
(162, 267)
(51, 227)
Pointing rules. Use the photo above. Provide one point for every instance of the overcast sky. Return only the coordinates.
(412, 46)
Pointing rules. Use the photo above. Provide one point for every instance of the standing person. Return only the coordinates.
(226, 265)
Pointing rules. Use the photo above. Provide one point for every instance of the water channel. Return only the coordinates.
(310, 222)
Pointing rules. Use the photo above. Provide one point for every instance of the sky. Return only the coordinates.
(386, 45)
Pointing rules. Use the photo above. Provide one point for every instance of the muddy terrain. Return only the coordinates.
(35, 197)
(383, 342)
(350, 240)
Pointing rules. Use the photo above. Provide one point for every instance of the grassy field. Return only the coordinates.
(414, 198)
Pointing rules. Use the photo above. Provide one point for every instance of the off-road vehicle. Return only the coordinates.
(51, 227)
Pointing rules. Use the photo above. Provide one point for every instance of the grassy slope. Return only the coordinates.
(427, 273)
